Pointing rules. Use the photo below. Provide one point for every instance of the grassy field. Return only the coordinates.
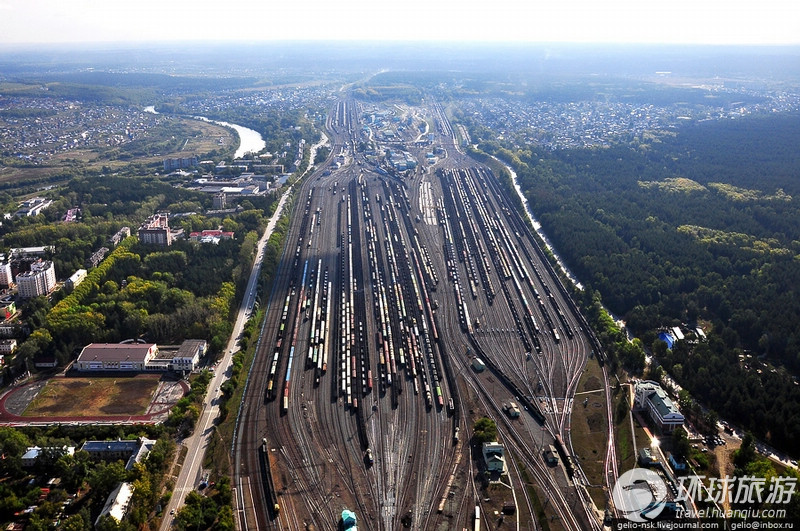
(90, 397)
(589, 429)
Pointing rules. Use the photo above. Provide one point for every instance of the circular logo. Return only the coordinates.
(639, 495)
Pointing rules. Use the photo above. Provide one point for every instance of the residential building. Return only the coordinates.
(179, 163)
(14, 330)
(120, 235)
(649, 397)
(76, 278)
(38, 281)
(117, 503)
(96, 257)
(6, 278)
(8, 346)
(155, 231)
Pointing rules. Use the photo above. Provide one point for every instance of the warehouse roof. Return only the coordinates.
(115, 351)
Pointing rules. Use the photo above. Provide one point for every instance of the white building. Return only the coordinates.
(141, 357)
(188, 355)
(117, 503)
(494, 457)
(40, 280)
(32, 206)
(8, 346)
(115, 356)
(6, 278)
(76, 278)
(650, 397)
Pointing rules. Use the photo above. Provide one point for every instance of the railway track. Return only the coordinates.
(364, 356)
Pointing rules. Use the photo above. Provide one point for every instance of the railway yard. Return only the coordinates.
(365, 385)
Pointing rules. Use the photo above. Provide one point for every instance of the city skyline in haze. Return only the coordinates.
(769, 22)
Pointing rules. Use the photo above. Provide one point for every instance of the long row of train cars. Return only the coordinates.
(400, 276)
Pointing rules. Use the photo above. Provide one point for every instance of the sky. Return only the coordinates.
(582, 21)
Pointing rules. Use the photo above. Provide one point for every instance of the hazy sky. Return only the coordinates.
(650, 21)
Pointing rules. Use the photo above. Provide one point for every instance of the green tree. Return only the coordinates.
(74, 523)
(746, 452)
(13, 444)
(106, 476)
(680, 443)
(484, 430)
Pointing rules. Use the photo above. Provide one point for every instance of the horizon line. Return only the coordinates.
(390, 42)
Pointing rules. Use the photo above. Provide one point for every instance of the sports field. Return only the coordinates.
(93, 397)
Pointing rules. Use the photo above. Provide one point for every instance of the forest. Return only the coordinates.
(163, 294)
(695, 226)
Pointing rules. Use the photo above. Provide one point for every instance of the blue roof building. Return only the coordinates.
(667, 338)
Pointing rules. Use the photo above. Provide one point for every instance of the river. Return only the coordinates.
(250, 141)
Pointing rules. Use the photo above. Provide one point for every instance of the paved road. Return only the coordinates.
(197, 443)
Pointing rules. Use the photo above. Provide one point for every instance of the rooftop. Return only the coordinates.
(115, 351)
